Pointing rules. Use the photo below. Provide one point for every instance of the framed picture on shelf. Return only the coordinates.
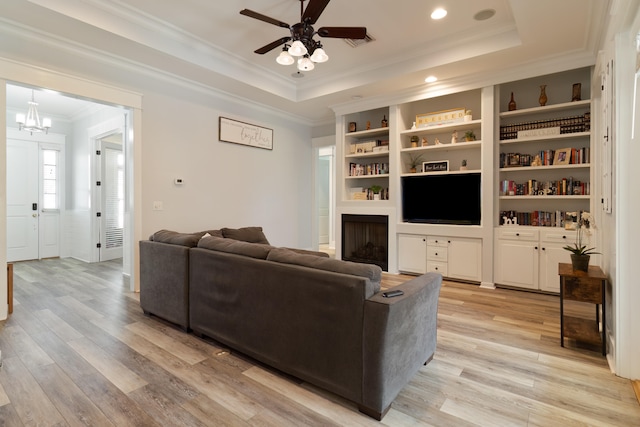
(439, 166)
(562, 156)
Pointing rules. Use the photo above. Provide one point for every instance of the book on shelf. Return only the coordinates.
(533, 128)
(532, 187)
(359, 169)
(511, 160)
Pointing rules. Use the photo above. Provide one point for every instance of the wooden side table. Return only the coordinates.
(10, 286)
(587, 287)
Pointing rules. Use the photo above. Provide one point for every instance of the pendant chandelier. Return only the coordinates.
(31, 123)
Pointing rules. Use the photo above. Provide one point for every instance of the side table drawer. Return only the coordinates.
(583, 289)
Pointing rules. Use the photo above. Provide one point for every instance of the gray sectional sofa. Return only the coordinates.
(322, 320)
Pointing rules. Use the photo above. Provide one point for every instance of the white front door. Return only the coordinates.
(22, 200)
(35, 187)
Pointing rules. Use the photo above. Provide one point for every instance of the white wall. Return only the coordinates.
(225, 185)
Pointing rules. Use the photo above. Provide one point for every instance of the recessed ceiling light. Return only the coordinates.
(431, 79)
(485, 14)
(439, 13)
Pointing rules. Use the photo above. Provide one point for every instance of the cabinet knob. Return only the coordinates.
(436, 253)
(424, 240)
(564, 237)
(448, 241)
(518, 234)
(544, 249)
(536, 248)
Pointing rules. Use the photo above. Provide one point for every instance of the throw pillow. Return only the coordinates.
(246, 234)
(253, 250)
(175, 238)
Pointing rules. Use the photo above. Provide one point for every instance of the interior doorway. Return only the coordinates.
(111, 220)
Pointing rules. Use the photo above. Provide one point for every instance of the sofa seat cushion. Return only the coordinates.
(189, 240)
(253, 250)
(246, 234)
(368, 271)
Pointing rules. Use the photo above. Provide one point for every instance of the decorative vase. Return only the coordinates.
(512, 103)
(576, 92)
(412, 170)
(543, 95)
(376, 196)
(580, 262)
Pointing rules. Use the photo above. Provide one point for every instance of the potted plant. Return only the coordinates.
(580, 254)
(375, 189)
(414, 161)
(414, 141)
(469, 136)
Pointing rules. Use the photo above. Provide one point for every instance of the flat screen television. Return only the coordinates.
(442, 199)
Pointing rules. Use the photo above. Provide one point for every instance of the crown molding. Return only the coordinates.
(126, 66)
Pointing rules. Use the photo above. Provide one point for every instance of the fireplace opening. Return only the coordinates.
(365, 239)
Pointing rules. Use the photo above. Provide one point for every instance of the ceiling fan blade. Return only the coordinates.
(343, 32)
(272, 45)
(264, 18)
(313, 10)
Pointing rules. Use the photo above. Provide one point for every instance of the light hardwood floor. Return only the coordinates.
(78, 351)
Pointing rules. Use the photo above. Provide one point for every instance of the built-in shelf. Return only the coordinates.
(368, 155)
(538, 197)
(368, 133)
(545, 168)
(562, 136)
(430, 130)
(468, 171)
(457, 146)
(547, 108)
(382, 175)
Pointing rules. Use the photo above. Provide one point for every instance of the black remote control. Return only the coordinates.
(391, 294)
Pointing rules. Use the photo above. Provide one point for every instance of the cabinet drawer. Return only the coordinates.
(442, 242)
(437, 253)
(438, 267)
(558, 236)
(516, 233)
(583, 289)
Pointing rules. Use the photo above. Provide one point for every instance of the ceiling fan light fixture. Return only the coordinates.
(319, 55)
(297, 49)
(305, 64)
(439, 13)
(285, 58)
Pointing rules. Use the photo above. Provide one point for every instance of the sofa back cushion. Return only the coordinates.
(189, 240)
(253, 250)
(246, 234)
(368, 271)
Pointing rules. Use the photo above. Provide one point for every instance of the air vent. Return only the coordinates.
(359, 42)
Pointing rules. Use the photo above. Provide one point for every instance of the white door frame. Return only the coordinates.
(96, 133)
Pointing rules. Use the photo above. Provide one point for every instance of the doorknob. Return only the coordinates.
(35, 215)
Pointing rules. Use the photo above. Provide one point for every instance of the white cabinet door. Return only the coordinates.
(516, 263)
(465, 259)
(412, 253)
(550, 256)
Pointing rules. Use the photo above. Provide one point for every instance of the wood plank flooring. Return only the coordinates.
(78, 351)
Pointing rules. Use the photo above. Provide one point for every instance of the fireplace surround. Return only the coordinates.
(365, 239)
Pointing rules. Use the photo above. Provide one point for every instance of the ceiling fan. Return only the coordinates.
(304, 46)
